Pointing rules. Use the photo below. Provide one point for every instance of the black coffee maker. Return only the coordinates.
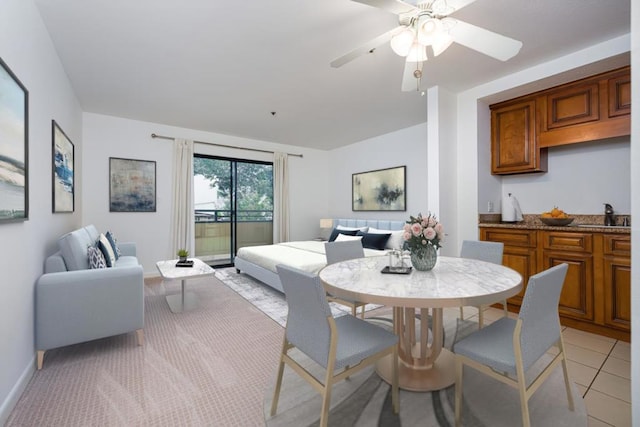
(609, 218)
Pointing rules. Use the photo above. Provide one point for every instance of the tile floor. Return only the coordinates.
(600, 367)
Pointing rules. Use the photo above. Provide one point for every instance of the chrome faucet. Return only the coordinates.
(609, 218)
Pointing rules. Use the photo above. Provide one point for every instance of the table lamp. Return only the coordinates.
(326, 224)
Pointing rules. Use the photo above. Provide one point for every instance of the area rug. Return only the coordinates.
(268, 300)
(365, 400)
(206, 367)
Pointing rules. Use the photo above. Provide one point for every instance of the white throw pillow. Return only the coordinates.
(344, 238)
(396, 241)
(342, 227)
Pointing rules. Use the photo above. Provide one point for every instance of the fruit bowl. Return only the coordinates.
(556, 221)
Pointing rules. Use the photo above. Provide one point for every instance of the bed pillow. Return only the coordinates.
(343, 238)
(342, 227)
(396, 240)
(337, 231)
(376, 241)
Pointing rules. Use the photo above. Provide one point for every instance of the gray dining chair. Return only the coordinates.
(342, 346)
(508, 348)
(483, 251)
(344, 251)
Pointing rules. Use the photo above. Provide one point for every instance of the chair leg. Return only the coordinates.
(362, 313)
(461, 313)
(522, 389)
(353, 310)
(326, 399)
(458, 388)
(565, 371)
(395, 400)
(40, 358)
(276, 392)
(140, 336)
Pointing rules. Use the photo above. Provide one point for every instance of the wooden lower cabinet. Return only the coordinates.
(617, 281)
(596, 295)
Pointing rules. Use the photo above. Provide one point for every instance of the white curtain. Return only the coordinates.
(183, 219)
(280, 197)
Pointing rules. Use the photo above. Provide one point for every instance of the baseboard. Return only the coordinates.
(17, 390)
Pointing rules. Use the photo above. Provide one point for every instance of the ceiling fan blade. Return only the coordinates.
(366, 48)
(409, 82)
(485, 41)
(393, 6)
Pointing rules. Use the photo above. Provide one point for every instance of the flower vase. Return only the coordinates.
(424, 259)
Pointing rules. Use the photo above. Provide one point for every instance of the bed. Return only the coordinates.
(260, 262)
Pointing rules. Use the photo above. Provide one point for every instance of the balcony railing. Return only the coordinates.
(213, 232)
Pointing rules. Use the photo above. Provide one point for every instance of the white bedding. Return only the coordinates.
(307, 255)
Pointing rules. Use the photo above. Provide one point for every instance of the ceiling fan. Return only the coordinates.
(428, 24)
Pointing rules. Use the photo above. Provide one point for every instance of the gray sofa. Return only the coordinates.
(74, 303)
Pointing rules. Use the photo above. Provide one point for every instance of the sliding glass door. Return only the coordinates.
(233, 207)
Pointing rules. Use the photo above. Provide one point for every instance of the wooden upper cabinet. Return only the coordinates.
(619, 91)
(594, 108)
(514, 143)
(590, 109)
(571, 106)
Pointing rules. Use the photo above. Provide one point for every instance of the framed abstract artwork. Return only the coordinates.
(14, 147)
(63, 162)
(132, 185)
(379, 190)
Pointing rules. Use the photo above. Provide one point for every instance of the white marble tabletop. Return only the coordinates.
(453, 282)
(168, 269)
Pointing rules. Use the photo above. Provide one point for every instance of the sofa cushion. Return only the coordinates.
(96, 258)
(107, 250)
(73, 247)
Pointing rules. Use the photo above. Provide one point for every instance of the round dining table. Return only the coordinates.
(424, 364)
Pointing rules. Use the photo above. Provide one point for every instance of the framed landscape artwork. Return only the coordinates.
(379, 190)
(63, 161)
(132, 185)
(14, 136)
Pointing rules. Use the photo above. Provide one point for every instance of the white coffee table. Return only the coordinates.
(183, 301)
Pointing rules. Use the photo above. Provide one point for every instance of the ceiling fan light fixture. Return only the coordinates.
(401, 43)
(429, 30)
(442, 42)
(417, 53)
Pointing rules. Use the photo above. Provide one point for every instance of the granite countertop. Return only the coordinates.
(581, 223)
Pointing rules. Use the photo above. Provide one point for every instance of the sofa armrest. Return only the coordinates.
(83, 305)
(127, 248)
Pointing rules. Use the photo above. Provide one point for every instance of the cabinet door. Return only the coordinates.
(617, 281)
(573, 105)
(519, 253)
(514, 145)
(620, 95)
(576, 299)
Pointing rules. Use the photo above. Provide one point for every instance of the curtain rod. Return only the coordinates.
(153, 135)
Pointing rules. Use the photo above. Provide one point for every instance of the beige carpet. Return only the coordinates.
(207, 367)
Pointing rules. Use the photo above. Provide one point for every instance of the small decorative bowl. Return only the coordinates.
(556, 221)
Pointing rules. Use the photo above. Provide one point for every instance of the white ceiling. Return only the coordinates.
(224, 66)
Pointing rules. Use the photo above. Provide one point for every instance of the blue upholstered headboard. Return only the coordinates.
(375, 223)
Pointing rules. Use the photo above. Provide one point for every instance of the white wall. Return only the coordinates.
(406, 147)
(26, 48)
(106, 136)
(580, 178)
